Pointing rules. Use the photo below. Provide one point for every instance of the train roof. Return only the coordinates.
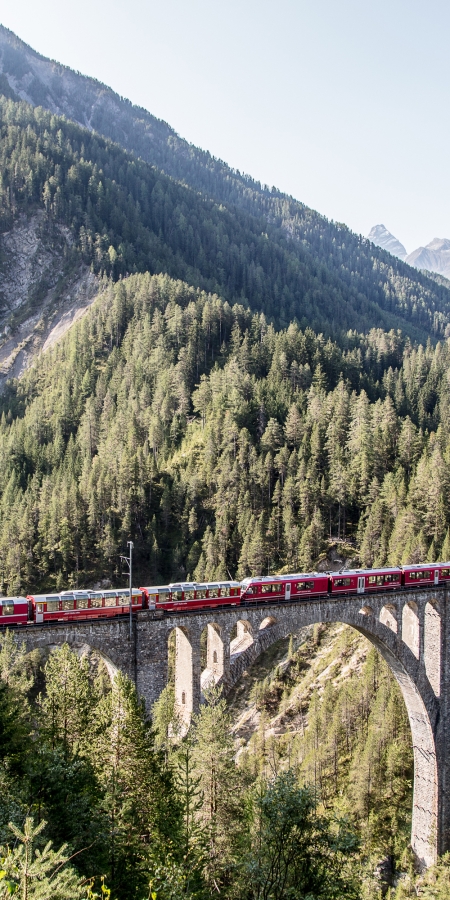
(123, 591)
(5, 600)
(201, 585)
(157, 589)
(380, 571)
(271, 579)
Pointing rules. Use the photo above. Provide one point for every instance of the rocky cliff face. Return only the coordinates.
(380, 236)
(40, 294)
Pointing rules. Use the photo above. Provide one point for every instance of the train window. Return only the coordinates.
(372, 579)
(8, 609)
(82, 603)
(342, 582)
(225, 591)
(176, 596)
(304, 586)
(201, 595)
(52, 605)
(420, 575)
(68, 604)
(39, 608)
(110, 599)
(389, 579)
(189, 595)
(213, 592)
(445, 573)
(249, 590)
(271, 588)
(96, 602)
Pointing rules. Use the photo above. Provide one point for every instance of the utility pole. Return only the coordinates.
(129, 562)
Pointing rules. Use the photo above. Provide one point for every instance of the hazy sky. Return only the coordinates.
(342, 103)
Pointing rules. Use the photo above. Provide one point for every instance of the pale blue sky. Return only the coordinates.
(342, 103)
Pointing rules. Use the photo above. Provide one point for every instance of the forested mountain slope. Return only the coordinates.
(282, 257)
(219, 445)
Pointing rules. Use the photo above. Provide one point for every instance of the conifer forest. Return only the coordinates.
(254, 390)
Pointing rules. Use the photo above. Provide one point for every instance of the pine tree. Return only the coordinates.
(36, 874)
(213, 757)
(67, 706)
(142, 813)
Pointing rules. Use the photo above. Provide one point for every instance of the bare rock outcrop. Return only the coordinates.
(41, 293)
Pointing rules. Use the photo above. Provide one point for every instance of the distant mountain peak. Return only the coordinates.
(380, 236)
(435, 257)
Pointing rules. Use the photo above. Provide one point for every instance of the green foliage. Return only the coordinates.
(67, 705)
(34, 874)
(141, 810)
(219, 785)
(434, 884)
(166, 719)
(293, 852)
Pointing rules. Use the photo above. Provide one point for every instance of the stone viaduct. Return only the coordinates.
(410, 628)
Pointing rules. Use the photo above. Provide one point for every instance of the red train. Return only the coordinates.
(74, 605)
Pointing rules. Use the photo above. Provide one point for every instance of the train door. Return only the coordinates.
(39, 612)
(287, 591)
(361, 584)
(436, 576)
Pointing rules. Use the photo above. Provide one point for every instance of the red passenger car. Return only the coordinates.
(72, 605)
(426, 574)
(273, 588)
(191, 595)
(15, 611)
(360, 581)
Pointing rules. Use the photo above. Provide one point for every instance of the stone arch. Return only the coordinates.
(81, 647)
(432, 645)
(268, 622)
(403, 663)
(388, 617)
(110, 667)
(424, 815)
(411, 627)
